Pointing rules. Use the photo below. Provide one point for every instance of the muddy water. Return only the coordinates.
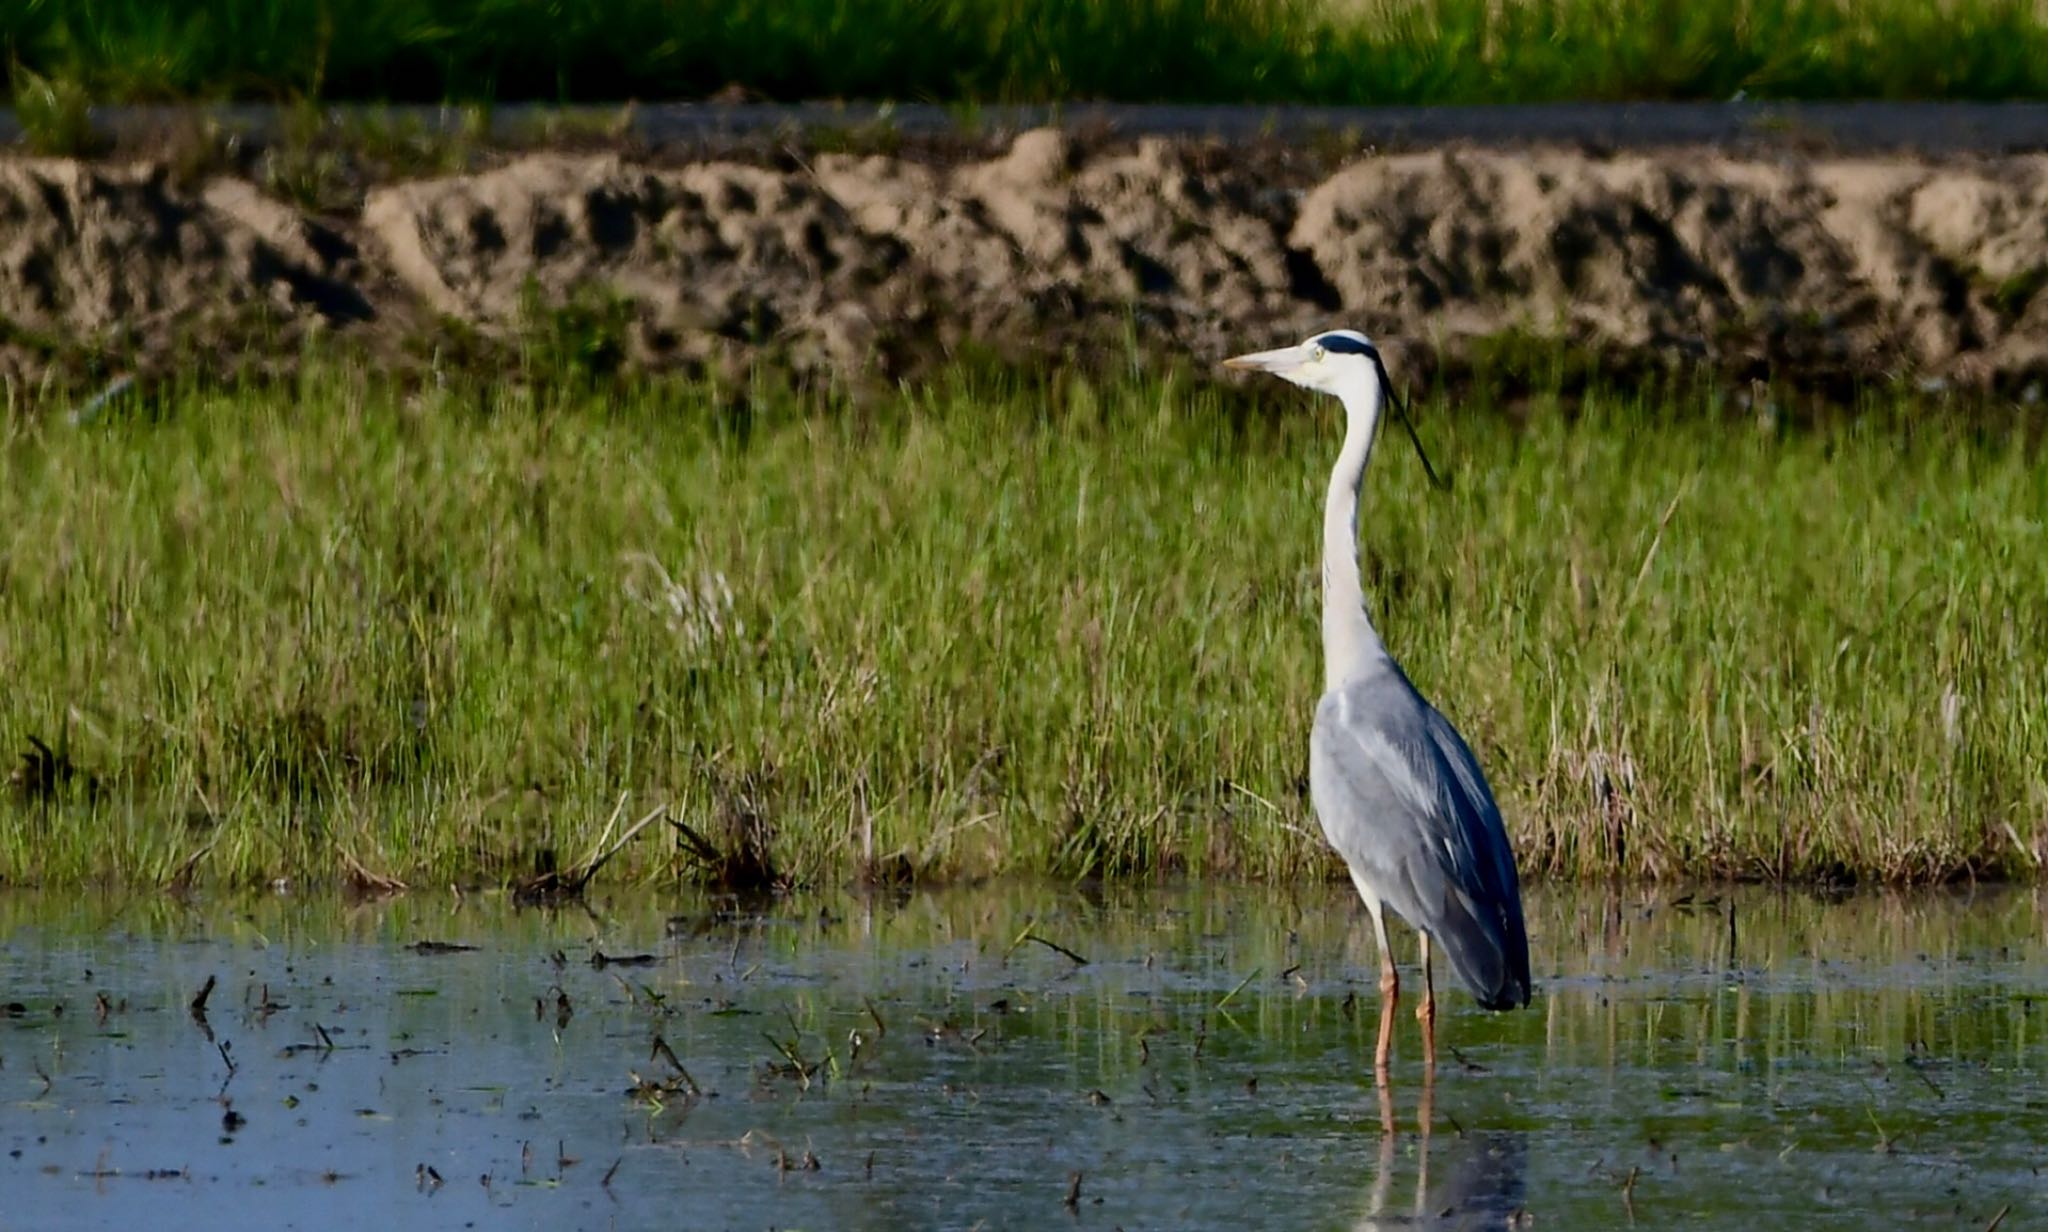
(873, 1063)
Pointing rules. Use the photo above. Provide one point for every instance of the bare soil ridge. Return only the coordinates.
(1782, 263)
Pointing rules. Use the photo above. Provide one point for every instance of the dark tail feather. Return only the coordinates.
(1490, 956)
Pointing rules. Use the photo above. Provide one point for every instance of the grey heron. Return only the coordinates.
(1398, 792)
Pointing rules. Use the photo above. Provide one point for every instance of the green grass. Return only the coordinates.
(996, 624)
(1259, 51)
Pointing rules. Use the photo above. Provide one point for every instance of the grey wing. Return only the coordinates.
(1405, 803)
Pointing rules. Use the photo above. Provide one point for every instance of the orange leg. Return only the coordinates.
(1390, 995)
(1426, 1012)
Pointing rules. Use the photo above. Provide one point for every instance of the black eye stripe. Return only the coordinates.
(1343, 345)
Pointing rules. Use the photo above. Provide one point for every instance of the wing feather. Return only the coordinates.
(1403, 800)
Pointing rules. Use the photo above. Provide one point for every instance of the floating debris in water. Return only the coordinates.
(600, 960)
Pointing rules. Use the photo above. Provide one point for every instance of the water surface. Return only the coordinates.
(921, 1061)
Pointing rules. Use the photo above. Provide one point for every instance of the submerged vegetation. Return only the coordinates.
(993, 623)
(1233, 51)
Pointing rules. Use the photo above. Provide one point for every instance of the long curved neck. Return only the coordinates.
(1349, 641)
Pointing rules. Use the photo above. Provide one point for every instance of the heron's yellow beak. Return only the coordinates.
(1284, 360)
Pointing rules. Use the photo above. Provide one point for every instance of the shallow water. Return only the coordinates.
(888, 1063)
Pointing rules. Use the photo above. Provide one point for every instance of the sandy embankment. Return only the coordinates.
(1806, 266)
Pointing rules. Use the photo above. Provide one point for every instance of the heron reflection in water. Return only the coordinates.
(1472, 1180)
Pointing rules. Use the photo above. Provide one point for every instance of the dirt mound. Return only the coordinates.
(1793, 265)
(117, 258)
(1869, 268)
(713, 255)
(1036, 239)
(831, 262)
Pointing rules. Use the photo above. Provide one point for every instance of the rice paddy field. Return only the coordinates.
(341, 629)
(56, 53)
(922, 763)
(867, 1060)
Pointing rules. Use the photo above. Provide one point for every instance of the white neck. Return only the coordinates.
(1349, 642)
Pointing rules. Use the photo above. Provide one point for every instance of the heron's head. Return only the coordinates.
(1343, 362)
(1334, 362)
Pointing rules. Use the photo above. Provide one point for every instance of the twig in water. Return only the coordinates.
(748, 867)
(365, 882)
(662, 1051)
(1999, 1218)
(1914, 1064)
(568, 883)
(1240, 987)
(1054, 946)
(1470, 1067)
(648, 1091)
(599, 960)
(800, 1068)
(1073, 1198)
